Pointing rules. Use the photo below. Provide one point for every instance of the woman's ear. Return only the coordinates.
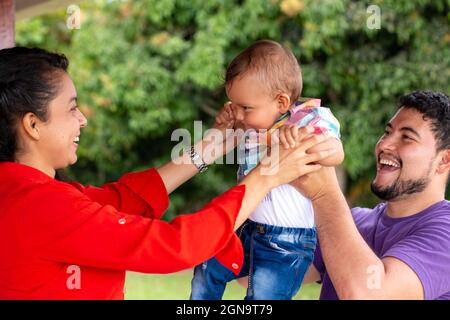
(284, 102)
(30, 124)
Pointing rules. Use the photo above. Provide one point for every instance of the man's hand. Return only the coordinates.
(317, 184)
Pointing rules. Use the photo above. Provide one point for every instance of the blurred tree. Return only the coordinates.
(144, 68)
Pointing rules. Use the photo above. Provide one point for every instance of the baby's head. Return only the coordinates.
(264, 80)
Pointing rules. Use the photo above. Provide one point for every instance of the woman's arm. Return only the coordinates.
(65, 225)
(141, 193)
(180, 170)
(269, 174)
(214, 145)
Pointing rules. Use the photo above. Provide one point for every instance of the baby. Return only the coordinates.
(264, 83)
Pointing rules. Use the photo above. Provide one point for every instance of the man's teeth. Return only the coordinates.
(389, 163)
(77, 139)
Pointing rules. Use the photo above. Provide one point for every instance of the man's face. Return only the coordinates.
(406, 155)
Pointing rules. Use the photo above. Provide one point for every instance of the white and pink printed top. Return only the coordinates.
(284, 206)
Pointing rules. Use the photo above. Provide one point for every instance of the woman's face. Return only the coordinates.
(59, 135)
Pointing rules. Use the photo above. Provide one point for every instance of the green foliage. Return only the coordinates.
(144, 68)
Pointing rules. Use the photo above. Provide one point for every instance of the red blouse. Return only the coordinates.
(67, 241)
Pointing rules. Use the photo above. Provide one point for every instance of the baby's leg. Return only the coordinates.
(211, 277)
(280, 261)
(209, 281)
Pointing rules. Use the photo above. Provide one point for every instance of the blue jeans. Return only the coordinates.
(276, 260)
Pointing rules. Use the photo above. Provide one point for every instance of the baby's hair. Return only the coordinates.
(274, 65)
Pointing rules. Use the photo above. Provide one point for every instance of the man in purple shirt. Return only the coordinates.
(401, 248)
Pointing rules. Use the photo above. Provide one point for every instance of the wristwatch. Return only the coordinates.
(197, 160)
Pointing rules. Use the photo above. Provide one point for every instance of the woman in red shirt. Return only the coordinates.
(65, 241)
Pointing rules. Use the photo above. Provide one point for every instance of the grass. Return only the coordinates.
(177, 286)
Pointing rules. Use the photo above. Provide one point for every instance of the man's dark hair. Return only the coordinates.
(435, 107)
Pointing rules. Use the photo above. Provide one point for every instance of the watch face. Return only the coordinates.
(197, 161)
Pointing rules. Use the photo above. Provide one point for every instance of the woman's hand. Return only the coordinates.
(288, 137)
(285, 165)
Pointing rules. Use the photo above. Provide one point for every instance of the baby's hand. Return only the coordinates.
(226, 117)
(288, 135)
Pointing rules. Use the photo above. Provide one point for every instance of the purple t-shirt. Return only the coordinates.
(422, 241)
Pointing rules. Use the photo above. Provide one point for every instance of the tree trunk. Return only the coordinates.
(7, 39)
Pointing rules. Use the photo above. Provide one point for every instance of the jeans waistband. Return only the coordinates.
(262, 228)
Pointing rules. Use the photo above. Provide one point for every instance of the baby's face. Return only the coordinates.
(260, 107)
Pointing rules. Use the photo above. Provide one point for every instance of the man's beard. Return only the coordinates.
(400, 188)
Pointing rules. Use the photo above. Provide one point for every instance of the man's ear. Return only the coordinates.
(30, 124)
(444, 163)
(284, 102)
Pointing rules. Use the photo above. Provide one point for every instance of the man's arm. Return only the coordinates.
(354, 269)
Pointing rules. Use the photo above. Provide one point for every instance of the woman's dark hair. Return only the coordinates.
(435, 107)
(29, 80)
